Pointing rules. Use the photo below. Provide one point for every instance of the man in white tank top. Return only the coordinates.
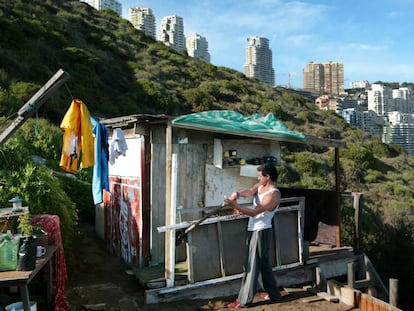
(257, 268)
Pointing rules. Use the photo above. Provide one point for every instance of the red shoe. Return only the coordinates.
(265, 296)
(235, 305)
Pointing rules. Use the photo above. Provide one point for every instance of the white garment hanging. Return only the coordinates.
(118, 145)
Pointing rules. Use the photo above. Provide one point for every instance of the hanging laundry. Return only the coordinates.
(78, 146)
(118, 145)
(100, 179)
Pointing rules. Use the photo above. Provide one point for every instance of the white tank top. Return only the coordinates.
(263, 220)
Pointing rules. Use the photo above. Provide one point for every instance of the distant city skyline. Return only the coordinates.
(371, 38)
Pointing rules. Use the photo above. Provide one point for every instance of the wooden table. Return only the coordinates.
(23, 278)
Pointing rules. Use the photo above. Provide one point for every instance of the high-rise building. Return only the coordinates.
(313, 78)
(349, 115)
(370, 122)
(259, 60)
(144, 20)
(324, 78)
(113, 5)
(197, 46)
(399, 130)
(403, 100)
(172, 32)
(380, 99)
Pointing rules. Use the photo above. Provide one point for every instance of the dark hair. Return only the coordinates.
(268, 170)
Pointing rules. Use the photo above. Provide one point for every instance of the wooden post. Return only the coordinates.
(26, 111)
(146, 202)
(170, 234)
(338, 199)
(394, 292)
(350, 274)
(358, 228)
(320, 279)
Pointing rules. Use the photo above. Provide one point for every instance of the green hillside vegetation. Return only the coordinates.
(116, 70)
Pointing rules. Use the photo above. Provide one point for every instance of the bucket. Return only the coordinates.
(18, 306)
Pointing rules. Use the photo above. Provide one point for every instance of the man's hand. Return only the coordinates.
(230, 201)
(234, 196)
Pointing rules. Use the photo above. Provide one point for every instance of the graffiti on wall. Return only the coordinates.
(123, 216)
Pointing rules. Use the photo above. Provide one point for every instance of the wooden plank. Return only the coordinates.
(34, 103)
(158, 202)
(312, 299)
(169, 235)
(365, 284)
(97, 306)
(328, 297)
(324, 295)
(191, 162)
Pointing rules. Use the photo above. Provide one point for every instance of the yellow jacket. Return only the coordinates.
(78, 143)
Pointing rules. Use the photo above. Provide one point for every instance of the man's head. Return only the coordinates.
(268, 170)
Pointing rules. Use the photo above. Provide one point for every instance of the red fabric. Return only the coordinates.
(51, 224)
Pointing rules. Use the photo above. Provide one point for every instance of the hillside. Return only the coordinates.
(116, 70)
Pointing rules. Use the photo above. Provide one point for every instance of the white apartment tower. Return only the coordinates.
(172, 32)
(197, 46)
(144, 20)
(380, 99)
(403, 100)
(112, 5)
(259, 60)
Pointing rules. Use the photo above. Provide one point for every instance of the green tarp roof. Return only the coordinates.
(232, 122)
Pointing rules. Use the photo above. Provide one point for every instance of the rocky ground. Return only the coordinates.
(100, 281)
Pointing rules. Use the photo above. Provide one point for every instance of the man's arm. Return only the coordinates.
(244, 193)
(269, 203)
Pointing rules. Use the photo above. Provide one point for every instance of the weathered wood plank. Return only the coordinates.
(312, 299)
(328, 297)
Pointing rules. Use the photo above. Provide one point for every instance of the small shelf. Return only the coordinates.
(248, 170)
(6, 212)
(248, 150)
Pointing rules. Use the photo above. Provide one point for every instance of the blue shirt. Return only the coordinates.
(100, 180)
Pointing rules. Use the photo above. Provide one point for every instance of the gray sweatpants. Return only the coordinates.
(257, 268)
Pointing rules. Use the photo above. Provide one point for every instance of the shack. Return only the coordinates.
(175, 171)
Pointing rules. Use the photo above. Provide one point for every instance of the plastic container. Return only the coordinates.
(8, 255)
(18, 306)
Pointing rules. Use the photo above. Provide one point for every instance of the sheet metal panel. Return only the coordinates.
(218, 253)
(286, 235)
(234, 246)
(203, 252)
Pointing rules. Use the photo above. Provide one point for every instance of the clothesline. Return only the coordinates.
(85, 144)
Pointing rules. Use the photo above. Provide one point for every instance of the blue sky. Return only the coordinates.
(372, 38)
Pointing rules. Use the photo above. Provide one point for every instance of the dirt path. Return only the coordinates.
(100, 281)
